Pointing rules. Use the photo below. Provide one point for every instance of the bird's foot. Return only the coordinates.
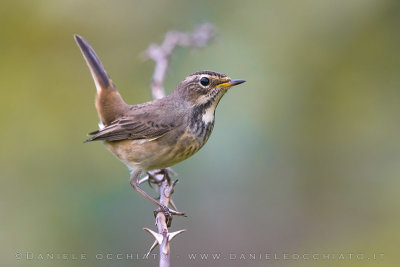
(156, 177)
(167, 213)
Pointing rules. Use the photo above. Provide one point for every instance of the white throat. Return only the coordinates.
(208, 115)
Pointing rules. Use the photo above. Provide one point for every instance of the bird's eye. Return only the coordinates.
(204, 81)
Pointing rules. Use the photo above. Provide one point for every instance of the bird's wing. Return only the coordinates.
(127, 128)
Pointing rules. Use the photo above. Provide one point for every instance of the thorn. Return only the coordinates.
(160, 238)
(173, 186)
(175, 182)
(157, 236)
(173, 234)
(172, 204)
(155, 244)
(170, 236)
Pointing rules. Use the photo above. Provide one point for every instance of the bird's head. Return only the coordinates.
(205, 87)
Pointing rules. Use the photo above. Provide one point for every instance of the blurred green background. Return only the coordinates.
(304, 157)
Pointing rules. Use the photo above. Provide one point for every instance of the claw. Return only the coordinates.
(165, 173)
(167, 214)
(152, 179)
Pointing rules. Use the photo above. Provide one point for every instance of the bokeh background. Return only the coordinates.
(304, 157)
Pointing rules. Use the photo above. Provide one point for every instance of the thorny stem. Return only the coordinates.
(160, 54)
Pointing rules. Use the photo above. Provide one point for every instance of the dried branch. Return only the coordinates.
(163, 221)
(160, 54)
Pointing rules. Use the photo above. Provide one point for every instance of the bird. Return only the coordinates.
(160, 133)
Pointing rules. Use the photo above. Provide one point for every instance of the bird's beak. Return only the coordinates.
(231, 83)
(236, 82)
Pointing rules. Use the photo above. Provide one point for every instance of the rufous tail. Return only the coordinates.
(109, 103)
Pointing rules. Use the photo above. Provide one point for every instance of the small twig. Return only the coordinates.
(160, 54)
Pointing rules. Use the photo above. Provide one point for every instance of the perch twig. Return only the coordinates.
(161, 54)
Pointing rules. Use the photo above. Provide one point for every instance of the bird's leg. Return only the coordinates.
(135, 184)
(134, 180)
(166, 191)
(153, 177)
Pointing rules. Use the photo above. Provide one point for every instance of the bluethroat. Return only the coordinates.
(159, 133)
